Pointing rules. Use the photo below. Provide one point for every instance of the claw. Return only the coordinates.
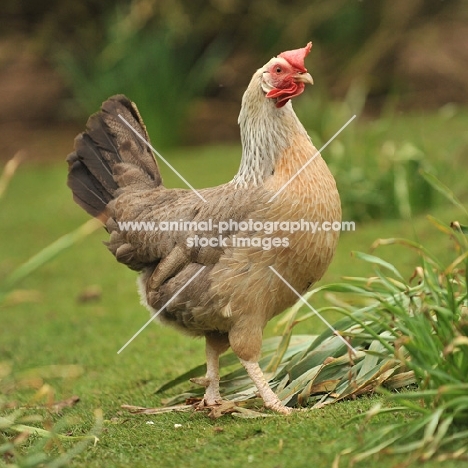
(204, 404)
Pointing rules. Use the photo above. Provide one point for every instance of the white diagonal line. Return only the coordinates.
(161, 309)
(157, 153)
(301, 298)
(312, 158)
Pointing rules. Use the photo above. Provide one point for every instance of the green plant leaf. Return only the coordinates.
(444, 190)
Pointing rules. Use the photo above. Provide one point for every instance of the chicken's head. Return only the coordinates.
(285, 76)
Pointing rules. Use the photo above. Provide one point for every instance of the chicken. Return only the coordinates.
(228, 287)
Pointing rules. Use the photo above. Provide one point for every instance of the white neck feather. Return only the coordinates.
(266, 132)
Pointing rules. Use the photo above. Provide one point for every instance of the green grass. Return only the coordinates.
(58, 329)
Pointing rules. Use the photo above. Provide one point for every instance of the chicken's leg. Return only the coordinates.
(270, 399)
(216, 344)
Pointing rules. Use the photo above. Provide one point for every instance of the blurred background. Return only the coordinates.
(187, 62)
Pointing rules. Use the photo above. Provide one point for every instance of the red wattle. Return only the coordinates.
(283, 95)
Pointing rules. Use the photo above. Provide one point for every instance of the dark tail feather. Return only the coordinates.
(88, 192)
(109, 156)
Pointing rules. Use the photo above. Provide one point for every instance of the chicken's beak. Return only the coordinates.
(303, 78)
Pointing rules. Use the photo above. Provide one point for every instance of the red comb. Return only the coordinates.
(296, 57)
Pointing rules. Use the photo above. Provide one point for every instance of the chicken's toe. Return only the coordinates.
(279, 408)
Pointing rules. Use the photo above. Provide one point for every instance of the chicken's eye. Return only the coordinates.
(278, 70)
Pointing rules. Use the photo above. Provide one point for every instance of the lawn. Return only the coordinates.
(80, 308)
